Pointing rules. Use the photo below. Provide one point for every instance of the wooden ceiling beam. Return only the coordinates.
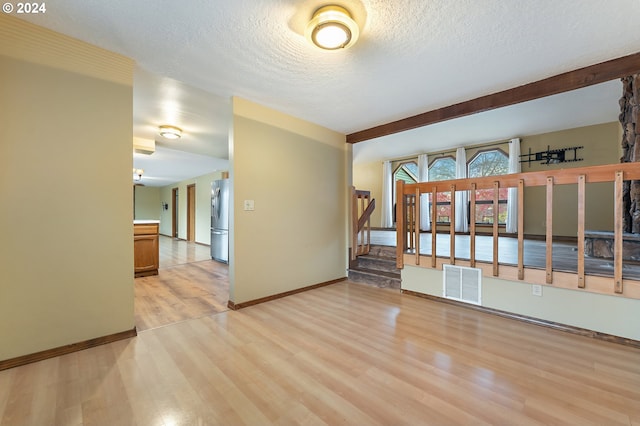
(577, 79)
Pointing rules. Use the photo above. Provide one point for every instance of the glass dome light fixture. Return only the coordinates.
(332, 28)
(170, 132)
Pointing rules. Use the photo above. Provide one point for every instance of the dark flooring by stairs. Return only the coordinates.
(378, 268)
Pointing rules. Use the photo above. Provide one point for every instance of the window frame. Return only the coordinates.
(442, 203)
(393, 180)
(485, 202)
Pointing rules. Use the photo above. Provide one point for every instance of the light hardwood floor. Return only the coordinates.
(179, 252)
(189, 285)
(342, 354)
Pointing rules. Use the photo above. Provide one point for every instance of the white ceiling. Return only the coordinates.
(204, 119)
(413, 56)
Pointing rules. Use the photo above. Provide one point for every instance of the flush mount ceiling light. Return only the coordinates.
(170, 132)
(332, 28)
(137, 174)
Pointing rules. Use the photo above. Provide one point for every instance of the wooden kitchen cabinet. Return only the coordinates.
(146, 249)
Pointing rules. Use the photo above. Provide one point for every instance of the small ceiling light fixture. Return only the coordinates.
(137, 174)
(332, 28)
(170, 132)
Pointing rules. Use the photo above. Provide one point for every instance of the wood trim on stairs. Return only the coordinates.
(66, 349)
(530, 320)
(235, 306)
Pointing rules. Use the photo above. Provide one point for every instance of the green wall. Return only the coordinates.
(298, 175)
(66, 258)
(146, 202)
(601, 146)
(203, 207)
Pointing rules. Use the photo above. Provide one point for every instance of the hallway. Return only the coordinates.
(189, 285)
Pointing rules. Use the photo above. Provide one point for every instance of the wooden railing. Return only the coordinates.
(362, 207)
(408, 224)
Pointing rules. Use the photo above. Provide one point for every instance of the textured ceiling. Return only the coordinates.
(413, 55)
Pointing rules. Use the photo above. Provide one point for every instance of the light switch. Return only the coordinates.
(249, 205)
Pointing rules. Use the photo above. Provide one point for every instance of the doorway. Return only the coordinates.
(174, 213)
(191, 212)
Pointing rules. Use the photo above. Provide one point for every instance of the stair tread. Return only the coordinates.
(382, 258)
(376, 272)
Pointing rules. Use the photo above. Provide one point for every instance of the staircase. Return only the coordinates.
(378, 268)
(369, 264)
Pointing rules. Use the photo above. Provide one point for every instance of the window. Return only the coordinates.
(407, 172)
(489, 163)
(443, 168)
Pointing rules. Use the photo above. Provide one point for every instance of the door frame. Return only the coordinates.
(191, 212)
(174, 212)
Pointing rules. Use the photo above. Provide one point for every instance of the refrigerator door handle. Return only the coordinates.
(216, 203)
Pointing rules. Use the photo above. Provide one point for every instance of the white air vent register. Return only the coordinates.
(463, 284)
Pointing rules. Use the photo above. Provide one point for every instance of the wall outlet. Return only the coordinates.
(249, 205)
(536, 290)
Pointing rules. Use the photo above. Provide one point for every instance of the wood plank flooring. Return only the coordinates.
(181, 292)
(342, 354)
(189, 285)
(179, 252)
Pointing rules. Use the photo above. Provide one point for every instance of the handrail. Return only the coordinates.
(362, 208)
(408, 217)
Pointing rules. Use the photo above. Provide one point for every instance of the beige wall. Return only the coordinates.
(368, 177)
(296, 174)
(603, 313)
(203, 207)
(66, 258)
(147, 202)
(601, 146)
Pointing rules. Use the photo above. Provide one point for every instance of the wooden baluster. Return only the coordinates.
(354, 223)
(452, 227)
(361, 232)
(581, 211)
(549, 233)
(617, 242)
(521, 229)
(417, 230)
(363, 204)
(472, 227)
(410, 221)
(496, 198)
(434, 222)
(400, 226)
(368, 199)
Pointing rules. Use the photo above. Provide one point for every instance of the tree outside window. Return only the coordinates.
(489, 163)
(443, 168)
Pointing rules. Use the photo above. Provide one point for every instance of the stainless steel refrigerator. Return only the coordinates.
(220, 220)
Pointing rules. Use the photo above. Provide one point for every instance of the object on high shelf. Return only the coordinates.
(552, 156)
